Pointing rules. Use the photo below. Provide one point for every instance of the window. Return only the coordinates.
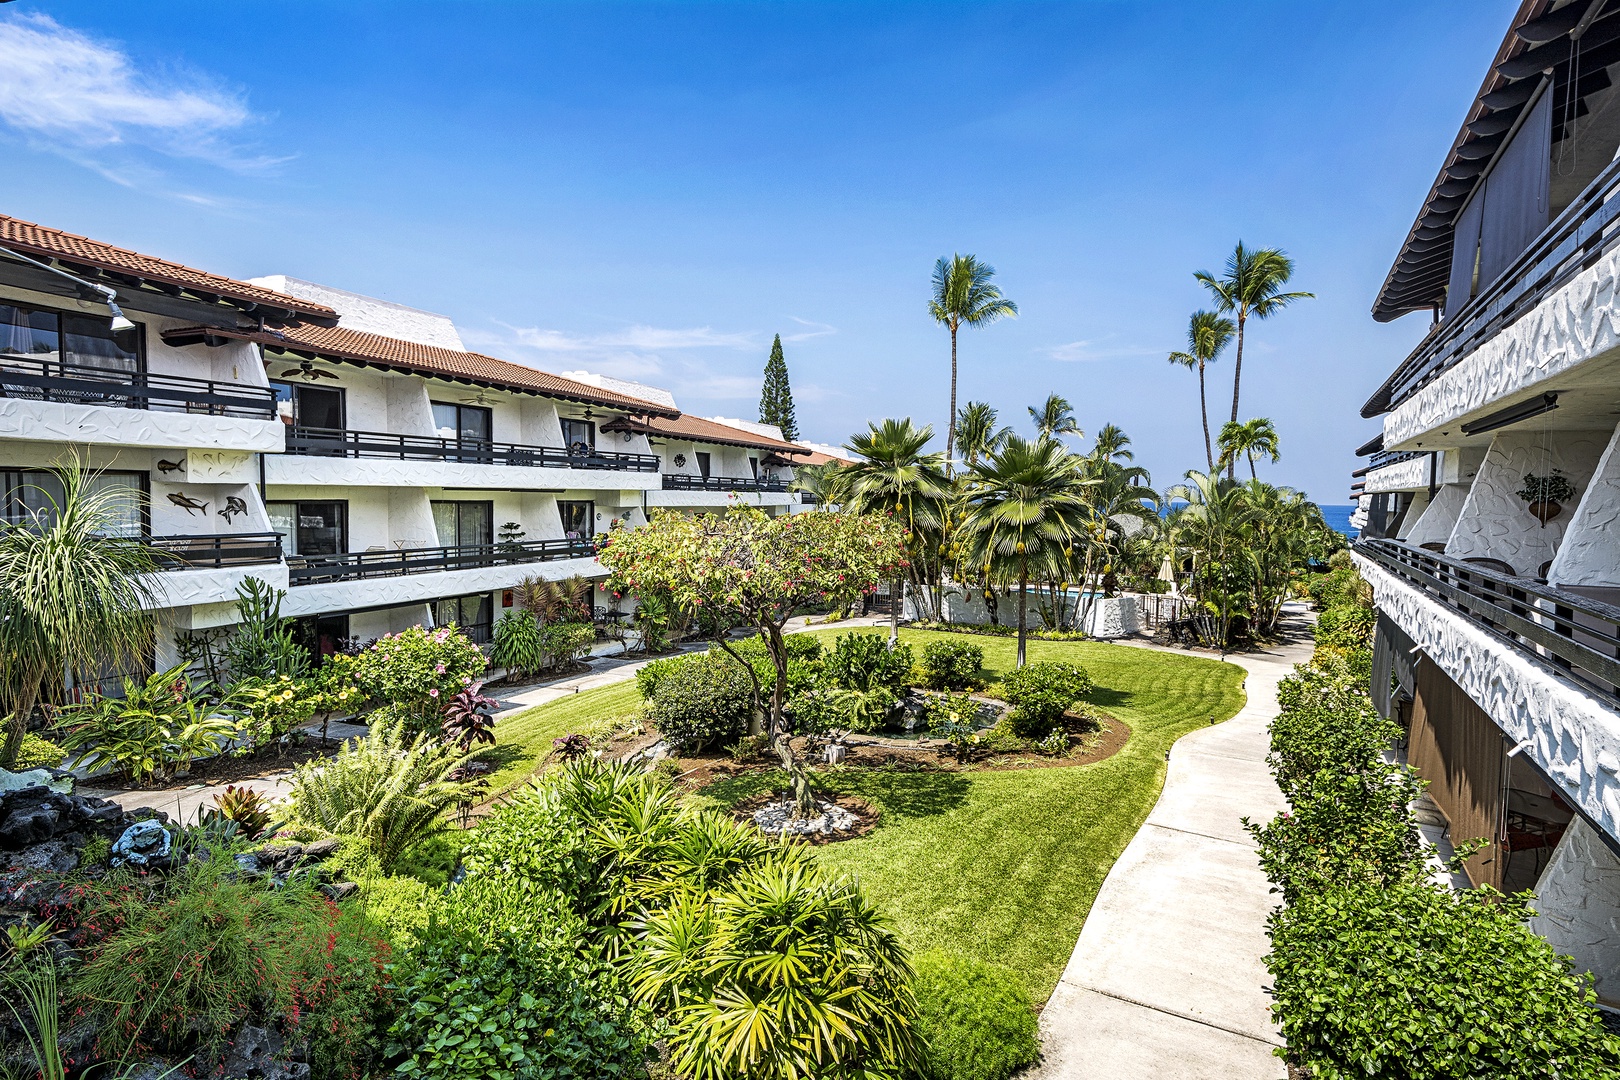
(310, 406)
(753, 463)
(311, 528)
(475, 615)
(321, 635)
(69, 337)
(35, 494)
(462, 423)
(703, 464)
(578, 519)
(578, 435)
(464, 524)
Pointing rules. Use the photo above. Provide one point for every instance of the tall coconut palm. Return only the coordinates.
(1207, 335)
(1251, 286)
(964, 296)
(895, 475)
(1055, 418)
(1024, 506)
(1248, 439)
(74, 595)
(977, 433)
(1112, 444)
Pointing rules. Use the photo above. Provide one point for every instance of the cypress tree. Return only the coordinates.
(776, 400)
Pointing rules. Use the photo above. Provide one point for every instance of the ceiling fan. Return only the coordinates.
(308, 372)
(480, 398)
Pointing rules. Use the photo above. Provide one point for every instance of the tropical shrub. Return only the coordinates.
(654, 617)
(862, 661)
(249, 810)
(709, 701)
(955, 718)
(397, 906)
(497, 986)
(952, 665)
(861, 710)
(386, 791)
(416, 670)
(155, 729)
(1039, 694)
(650, 674)
(1346, 626)
(261, 646)
(1418, 981)
(526, 647)
(38, 753)
(271, 709)
(974, 1019)
(332, 689)
(173, 961)
(805, 648)
(468, 720)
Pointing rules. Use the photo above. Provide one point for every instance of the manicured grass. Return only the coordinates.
(525, 738)
(1004, 866)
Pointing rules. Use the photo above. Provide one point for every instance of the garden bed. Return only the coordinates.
(866, 815)
(225, 768)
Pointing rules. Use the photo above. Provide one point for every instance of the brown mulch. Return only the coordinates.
(225, 769)
(865, 811)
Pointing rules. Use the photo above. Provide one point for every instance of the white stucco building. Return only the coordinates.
(1489, 505)
(346, 449)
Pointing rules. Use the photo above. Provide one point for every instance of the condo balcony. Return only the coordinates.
(328, 442)
(29, 379)
(362, 565)
(214, 551)
(683, 482)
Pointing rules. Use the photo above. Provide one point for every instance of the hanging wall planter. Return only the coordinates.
(1546, 495)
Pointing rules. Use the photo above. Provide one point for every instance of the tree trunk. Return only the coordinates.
(804, 802)
(27, 694)
(755, 726)
(950, 430)
(897, 599)
(1203, 410)
(1023, 593)
(1252, 474)
(1237, 377)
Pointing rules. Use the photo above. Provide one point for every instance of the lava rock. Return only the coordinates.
(322, 849)
(257, 1054)
(340, 890)
(52, 857)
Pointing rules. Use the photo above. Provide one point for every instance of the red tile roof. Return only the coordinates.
(700, 430)
(341, 344)
(40, 242)
(818, 458)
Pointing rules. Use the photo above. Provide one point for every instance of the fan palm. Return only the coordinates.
(823, 483)
(1055, 418)
(1250, 286)
(74, 594)
(1248, 439)
(976, 431)
(964, 296)
(1207, 334)
(1025, 504)
(1213, 525)
(895, 475)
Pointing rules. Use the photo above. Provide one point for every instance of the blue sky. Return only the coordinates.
(654, 190)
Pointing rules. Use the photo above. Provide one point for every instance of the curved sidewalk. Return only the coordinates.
(1167, 979)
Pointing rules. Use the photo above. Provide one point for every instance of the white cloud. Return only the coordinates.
(811, 330)
(1084, 352)
(83, 97)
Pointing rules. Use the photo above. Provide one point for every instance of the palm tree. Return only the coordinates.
(1055, 418)
(1207, 335)
(1212, 526)
(823, 483)
(74, 595)
(1111, 444)
(964, 296)
(1024, 504)
(895, 476)
(976, 431)
(1251, 285)
(1247, 439)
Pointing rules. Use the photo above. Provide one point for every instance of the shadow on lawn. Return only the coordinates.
(897, 793)
(1105, 697)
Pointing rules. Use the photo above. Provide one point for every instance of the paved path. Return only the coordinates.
(1166, 980)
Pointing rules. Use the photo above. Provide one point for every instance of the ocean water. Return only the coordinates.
(1338, 517)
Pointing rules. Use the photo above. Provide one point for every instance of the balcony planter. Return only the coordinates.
(1546, 495)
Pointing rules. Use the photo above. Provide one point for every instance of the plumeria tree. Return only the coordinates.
(749, 569)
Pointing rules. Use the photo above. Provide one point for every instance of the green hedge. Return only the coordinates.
(975, 1019)
(708, 699)
(1039, 694)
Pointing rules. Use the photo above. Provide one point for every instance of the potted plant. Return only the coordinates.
(1545, 494)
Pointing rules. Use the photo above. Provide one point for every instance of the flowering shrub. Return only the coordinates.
(951, 665)
(416, 670)
(271, 710)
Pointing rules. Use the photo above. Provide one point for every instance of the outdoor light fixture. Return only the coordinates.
(108, 294)
(1513, 414)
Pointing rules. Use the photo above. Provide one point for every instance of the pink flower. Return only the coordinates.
(438, 668)
(433, 692)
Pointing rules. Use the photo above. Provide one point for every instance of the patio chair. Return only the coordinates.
(1436, 546)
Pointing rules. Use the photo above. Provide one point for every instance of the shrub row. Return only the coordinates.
(1376, 969)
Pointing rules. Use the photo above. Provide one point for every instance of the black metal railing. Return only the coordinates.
(1575, 240)
(31, 379)
(332, 442)
(208, 550)
(356, 565)
(683, 482)
(1393, 457)
(808, 498)
(1577, 635)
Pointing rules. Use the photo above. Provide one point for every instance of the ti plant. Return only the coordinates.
(467, 720)
(571, 747)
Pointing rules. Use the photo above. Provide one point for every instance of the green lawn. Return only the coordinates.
(999, 865)
(1004, 865)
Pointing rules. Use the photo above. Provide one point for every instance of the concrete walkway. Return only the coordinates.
(1166, 980)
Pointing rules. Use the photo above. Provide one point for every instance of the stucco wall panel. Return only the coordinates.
(1496, 523)
(1590, 553)
(1406, 475)
(417, 588)
(1578, 907)
(54, 422)
(1439, 517)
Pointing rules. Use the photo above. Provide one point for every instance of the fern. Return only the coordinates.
(385, 791)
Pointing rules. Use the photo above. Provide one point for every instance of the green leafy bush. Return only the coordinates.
(1417, 981)
(1039, 694)
(517, 644)
(952, 665)
(653, 672)
(38, 753)
(861, 710)
(262, 645)
(955, 718)
(805, 648)
(710, 701)
(397, 906)
(416, 670)
(1345, 626)
(158, 727)
(975, 1019)
(271, 709)
(862, 661)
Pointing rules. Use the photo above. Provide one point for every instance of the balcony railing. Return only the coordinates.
(1576, 634)
(208, 550)
(683, 482)
(1581, 235)
(30, 379)
(330, 442)
(357, 565)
